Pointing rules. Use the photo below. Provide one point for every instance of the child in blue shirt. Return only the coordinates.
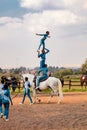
(27, 91)
(43, 57)
(44, 75)
(42, 42)
(1, 87)
(6, 100)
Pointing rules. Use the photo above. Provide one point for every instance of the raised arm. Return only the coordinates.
(39, 55)
(46, 51)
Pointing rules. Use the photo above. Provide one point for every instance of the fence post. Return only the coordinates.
(69, 84)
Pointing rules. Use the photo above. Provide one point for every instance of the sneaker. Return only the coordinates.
(6, 119)
(1, 115)
(36, 88)
(20, 103)
(31, 103)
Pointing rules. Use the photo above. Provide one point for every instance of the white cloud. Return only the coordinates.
(85, 5)
(40, 4)
(49, 19)
(76, 5)
(9, 25)
(18, 40)
(12, 21)
(34, 4)
(38, 22)
(70, 3)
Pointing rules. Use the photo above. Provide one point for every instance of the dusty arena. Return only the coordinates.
(71, 114)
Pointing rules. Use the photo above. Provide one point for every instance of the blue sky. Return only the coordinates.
(20, 20)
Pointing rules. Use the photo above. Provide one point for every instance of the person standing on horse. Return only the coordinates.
(43, 57)
(42, 42)
(44, 75)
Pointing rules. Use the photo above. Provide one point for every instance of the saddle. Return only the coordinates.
(34, 80)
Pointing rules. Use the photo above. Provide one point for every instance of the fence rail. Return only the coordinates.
(72, 83)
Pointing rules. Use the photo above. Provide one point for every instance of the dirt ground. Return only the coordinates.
(71, 114)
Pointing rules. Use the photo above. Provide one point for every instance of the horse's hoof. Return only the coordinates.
(59, 102)
(39, 100)
(48, 101)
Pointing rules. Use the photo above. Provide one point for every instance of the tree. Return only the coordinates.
(18, 70)
(63, 72)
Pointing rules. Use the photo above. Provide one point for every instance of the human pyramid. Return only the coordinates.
(5, 97)
(43, 70)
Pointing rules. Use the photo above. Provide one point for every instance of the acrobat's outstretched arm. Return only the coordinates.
(42, 35)
(39, 34)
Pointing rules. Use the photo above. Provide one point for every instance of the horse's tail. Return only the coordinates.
(60, 89)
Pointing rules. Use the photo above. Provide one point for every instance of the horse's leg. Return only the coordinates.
(49, 98)
(56, 92)
(82, 84)
(34, 95)
(58, 95)
(50, 95)
(85, 84)
(35, 99)
(59, 99)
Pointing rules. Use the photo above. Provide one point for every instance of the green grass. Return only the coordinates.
(65, 89)
(16, 91)
(74, 89)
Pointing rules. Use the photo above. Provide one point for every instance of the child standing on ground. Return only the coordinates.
(27, 91)
(1, 87)
(6, 101)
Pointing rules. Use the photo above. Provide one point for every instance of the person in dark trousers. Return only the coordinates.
(6, 99)
(1, 87)
(27, 91)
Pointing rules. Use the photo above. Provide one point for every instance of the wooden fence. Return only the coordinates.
(73, 83)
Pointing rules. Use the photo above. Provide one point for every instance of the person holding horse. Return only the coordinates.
(43, 56)
(42, 42)
(44, 75)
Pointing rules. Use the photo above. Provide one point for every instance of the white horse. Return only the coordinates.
(53, 83)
